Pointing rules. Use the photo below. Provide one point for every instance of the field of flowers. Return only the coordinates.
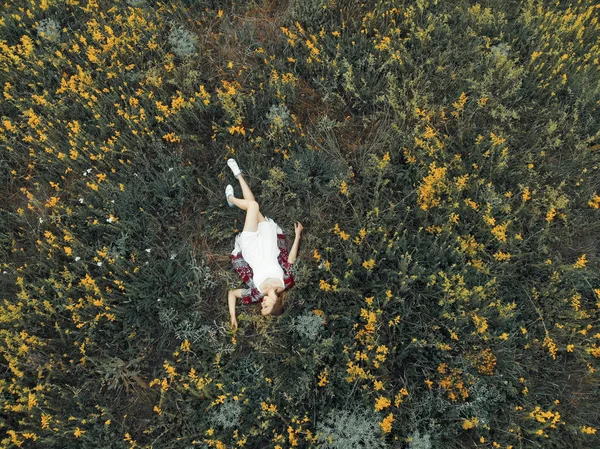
(443, 157)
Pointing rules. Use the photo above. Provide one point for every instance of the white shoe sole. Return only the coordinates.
(227, 193)
(235, 169)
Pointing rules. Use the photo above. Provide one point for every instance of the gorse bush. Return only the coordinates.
(443, 158)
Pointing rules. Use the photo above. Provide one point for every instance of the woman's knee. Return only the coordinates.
(253, 204)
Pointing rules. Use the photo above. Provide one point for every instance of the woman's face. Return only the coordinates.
(269, 300)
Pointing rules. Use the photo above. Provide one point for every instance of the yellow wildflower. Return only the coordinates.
(581, 262)
(381, 403)
(470, 423)
(369, 264)
(386, 424)
(344, 188)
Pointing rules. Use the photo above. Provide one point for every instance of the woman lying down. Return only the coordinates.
(260, 255)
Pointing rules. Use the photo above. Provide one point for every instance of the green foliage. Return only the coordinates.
(182, 41)
(419, 441)
(308, 325)
(349, 429)
(49, 29)
(227, 414)
(443, 158)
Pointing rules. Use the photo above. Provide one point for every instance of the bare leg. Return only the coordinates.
(239, 202)
(251, 223)
(248, 196)
(244, 204)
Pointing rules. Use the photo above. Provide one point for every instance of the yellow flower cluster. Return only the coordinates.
(204, 95)
(344, 188)
(472, 204)
(291, 36)
(453, 384)
(360, 237)
(470, 423)
(381, 403)
(481, 323)
(496, 140)
(469, 245)
(485, 362)
(459, 105)
(237, 129)
(378, 385)
(386, 424)
(324, 285)
(316, 255)
(185, 346)
(432, 185)
(337, 231)
(501, 256)
(369, 264)
(500, 231)
(385, 160)
(398, 398)
(395, 321)
(323, 381)
(545, 416)
(551, 344)
(383, 44)
(581, 262)
(269, 407)
(171, 137)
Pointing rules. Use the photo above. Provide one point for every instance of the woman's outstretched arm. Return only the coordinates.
(232, 297)
(294, 252)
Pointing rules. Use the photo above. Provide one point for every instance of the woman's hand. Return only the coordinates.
(298, 228)
(234, 324)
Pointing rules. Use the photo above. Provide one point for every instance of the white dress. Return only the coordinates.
(259, 248)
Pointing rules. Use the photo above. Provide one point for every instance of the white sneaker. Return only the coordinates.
(234, 167)
(229, 191)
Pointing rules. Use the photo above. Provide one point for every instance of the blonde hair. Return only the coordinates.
(279, 306)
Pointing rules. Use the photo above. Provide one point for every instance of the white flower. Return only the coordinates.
(173, 256)
(112, 201)
(171, 169)
(110, 220)
(148, 250)
(77, 259)
(81, 200)
(99, 264)
(41, 220)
